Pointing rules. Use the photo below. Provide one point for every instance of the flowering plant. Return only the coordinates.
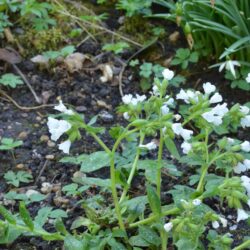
(218, 165)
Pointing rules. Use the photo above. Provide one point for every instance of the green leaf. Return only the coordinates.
(149, 235)
(25, 215)
(194, 57)
(71, 243)
(7, 215)
(42, 216)
(172, 147)
(138, 241)
(115, 245)
(60, 226)
(58, 213)
(9, 143)
(95, 161)
(154, 201)
(93, 181)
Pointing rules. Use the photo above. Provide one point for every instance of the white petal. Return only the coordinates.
(208, 88)
(245, 121)
(126, 116)
(239, 168)
(57, 127)
(164, 110)
(168, 226)
(150, 146)
(242, 215)
(65, 146)
(215, 224)
(248, 78)
(186, 147)
(245, 146)
(186, 134)
(127, 99)
(196, 202)
(216, 98)
(168, 74)
(177, 128)
(244, 109)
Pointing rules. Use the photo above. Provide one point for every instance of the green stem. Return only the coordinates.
(159, 159)
(133, 169)
(154, 217)
(164, 239)
(114, 192)
(112, 177)
(203, 175)
(244, 245)
(101, 143)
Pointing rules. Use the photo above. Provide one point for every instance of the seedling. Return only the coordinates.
(183, 57)
(117, 48)
(11, 80)
(16, 178)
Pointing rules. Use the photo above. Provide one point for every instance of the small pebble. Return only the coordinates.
(50, 157)
(51, 144)
(81, 108)
(44, 138)
(20, 166)
(23, 135)
(106, 116)
(38, 118)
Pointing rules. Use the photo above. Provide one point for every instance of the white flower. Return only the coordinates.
(156, 91)
(215, 224)
(229, 65)
(246, 162)
(170, 101)
(216, 114)
(61, 107)
(208, 88)
(186, 147)
(150, 146)
(223, 221)
(183, 96)
(196, 202)
(246, 183)
(57, 127)
(215, 98)
(126, 116)
(168, 74)
(245, 146)
(179, 130)
(242, 215)
(164, 109)
(140, 98)
(168, 226)
(65, 146)
(244, 109)
(248, 78)
(245, 121)
(239, 168)
(127, 99)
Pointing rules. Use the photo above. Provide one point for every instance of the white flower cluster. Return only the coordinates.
(185, 134)
(216, 114)
(188, 96)
(58, 127)
(129, 99)
(245, 121)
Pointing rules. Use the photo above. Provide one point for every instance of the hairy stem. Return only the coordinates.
(133, 169)
(154, 217)
(244, 245)
(159, 159)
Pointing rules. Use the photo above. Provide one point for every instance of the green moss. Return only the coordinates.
(41, 41)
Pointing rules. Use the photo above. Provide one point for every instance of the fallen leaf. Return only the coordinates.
(9, 55)
(74, 62)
